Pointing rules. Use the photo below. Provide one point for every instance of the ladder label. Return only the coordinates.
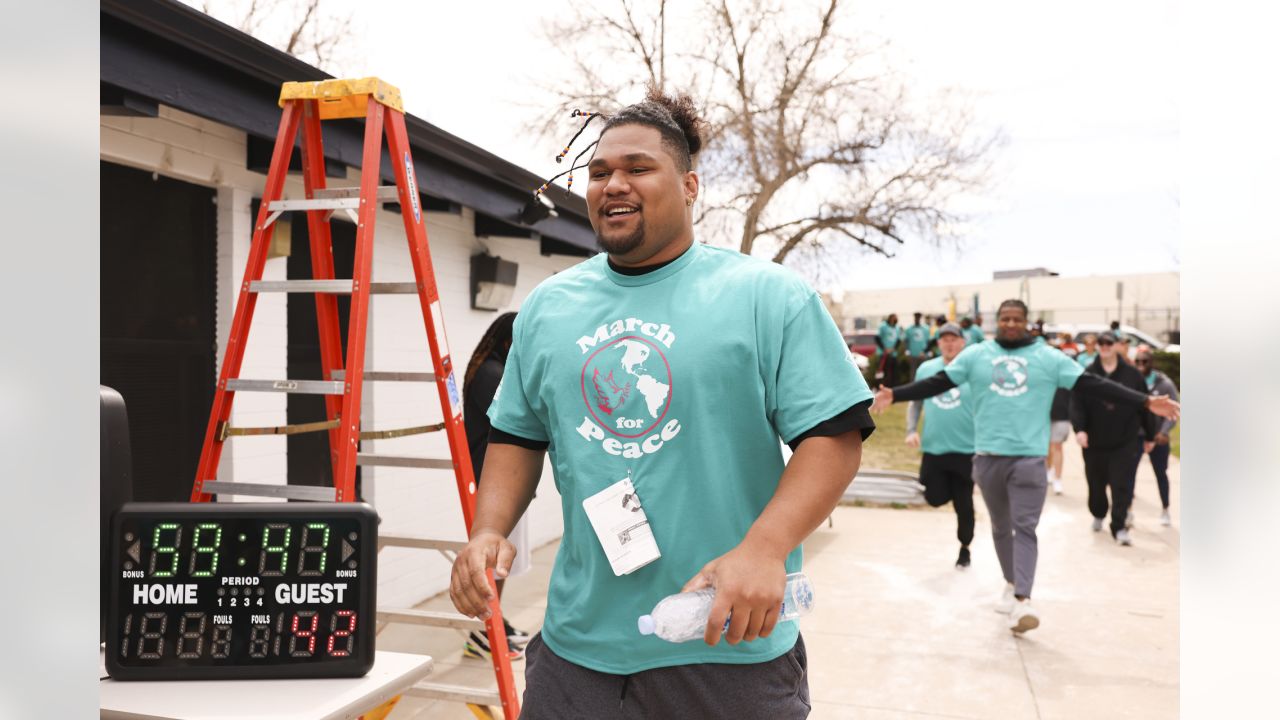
(437, 326)
(455, 402)
(413, 188)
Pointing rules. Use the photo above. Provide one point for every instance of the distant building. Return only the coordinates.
(1149, 301)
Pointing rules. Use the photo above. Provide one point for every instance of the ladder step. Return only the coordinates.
(335, 287)
(421, 543)
(456, 693)
(291, 492)
(301, 387)
(339, 203)
(412, 462)
(386, 193)
(392, 376)
(432, 618)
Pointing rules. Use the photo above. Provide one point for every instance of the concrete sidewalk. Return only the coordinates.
(899, 634)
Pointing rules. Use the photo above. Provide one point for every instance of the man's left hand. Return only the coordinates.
(749, 583)
(883, 399)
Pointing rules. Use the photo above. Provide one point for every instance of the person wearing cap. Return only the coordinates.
(1160, 384)
(1111, 438)
(1012, 381)
(917, 344)
(946, 466)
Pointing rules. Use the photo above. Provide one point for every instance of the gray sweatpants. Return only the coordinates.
(556, 689)
(1014, 490)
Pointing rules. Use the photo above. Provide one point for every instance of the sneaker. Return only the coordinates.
(1057, 486)
(1097, 524)
(1164, 518)
(1023, 618)
(477, 648)
(1007, 600)
(1128, 520)
(962, 562)
(1123, 538)
(515, 636)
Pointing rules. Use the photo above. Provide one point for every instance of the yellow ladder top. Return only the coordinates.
(343, 98)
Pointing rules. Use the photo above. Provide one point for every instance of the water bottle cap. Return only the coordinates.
(646, 624)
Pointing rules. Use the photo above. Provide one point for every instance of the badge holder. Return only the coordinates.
(622, 527)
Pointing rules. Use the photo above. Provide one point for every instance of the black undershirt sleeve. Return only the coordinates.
(505, 438)
(857, 417)
(1099, 386)
(921, 389)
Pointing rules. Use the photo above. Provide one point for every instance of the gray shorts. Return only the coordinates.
(1059, 431)
(556, 689)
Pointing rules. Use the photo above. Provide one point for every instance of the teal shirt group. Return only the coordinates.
(1012, 391)
(917, 340)
(889, 336)
(973, 335)
(1086, 358)
(948, 418)
(685, 377)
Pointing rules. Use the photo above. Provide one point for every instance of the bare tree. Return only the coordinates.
(302, 28)
(815, 144)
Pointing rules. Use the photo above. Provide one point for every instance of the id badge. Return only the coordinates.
(622, 527)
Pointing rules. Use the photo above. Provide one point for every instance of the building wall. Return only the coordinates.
(421, 502)
(1150, 301)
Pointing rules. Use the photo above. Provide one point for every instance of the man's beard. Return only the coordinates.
(621, 245)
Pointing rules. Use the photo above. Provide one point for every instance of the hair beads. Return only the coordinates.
(563, 153)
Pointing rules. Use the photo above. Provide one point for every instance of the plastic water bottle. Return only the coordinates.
(683, 616)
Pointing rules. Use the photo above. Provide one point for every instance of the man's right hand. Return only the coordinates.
(469, 587)
(913, 440)
(1083, 439)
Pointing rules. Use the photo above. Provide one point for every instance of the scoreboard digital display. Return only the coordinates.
(240, 590)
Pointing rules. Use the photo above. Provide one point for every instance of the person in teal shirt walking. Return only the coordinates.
(1013, 381)
(916, 343)
(972, 331)
(946, 468)
(888, 337)
(661, 376)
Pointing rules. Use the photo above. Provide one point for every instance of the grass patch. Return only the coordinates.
(885, 450)
(1175, 436)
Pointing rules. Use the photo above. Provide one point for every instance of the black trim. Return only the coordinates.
(496, 436)
(168, 53)
(857, 417)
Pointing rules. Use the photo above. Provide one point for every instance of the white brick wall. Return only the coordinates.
(421, 502)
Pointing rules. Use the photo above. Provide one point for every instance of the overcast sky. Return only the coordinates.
(1084, 93)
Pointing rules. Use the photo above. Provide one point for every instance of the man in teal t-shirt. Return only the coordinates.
(675, 366)
(888, 337)
(1013, 381)
(1090, 352)
(972, 331)
(916, 343)
(946, 469)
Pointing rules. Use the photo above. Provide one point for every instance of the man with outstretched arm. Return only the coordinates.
(661, 374)
(1013, 381)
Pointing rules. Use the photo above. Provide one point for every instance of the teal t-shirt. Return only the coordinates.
(1086, 358)
(948, 418)
(686, 377)
(1012, 391)
(889, 336)
(917, 340)
(973, 335)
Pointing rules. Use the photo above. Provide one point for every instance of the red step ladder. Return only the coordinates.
(307, 104)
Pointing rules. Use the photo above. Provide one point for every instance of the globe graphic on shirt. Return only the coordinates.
(626, 386)
(1009, 374)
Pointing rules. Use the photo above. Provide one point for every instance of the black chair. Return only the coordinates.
(115, 479)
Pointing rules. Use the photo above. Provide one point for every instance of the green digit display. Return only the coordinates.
(313, 552)
(200, 545)
(278, 553)
(158, 548)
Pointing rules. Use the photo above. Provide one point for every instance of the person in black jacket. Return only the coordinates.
(479, 385)
(1111, 435)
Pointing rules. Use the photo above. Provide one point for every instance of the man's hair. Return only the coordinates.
(1015, 304)
(675, 118)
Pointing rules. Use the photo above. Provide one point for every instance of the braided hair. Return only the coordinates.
(495, 343)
